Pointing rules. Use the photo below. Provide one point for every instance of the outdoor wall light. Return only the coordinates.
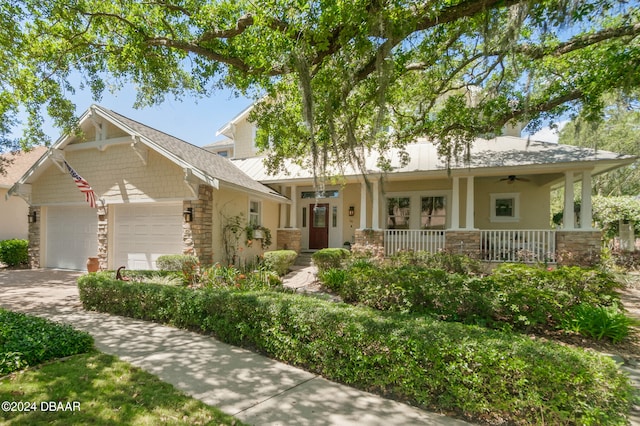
(352, 210)
(32, 217)
(188, 214)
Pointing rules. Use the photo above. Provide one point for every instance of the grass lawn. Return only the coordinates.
(108, 392)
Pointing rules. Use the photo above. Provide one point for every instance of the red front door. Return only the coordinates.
(319, 226)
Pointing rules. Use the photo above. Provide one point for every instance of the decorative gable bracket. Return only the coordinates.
(192, 181)
(22, 190)
(140, 149)
(57, 156)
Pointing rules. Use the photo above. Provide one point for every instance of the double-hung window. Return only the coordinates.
(255, 208)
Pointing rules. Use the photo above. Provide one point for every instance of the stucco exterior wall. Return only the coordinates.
(13, 217)
(350, 197)
(117, 175)
(227, 204)
(534, 206)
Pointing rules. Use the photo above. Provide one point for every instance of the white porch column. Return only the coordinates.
(455, 204)
(293, 212)
(567, 217)
(375, 213)
(363, 205)
(284, 208)
(586, 209)
(469, 224)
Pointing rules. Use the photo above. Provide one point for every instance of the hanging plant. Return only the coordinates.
(258, 232)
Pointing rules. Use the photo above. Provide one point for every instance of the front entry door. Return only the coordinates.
(319, 229)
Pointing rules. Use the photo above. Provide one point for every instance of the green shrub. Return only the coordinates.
(329, 258)
(187, 264)
(432, 364)
(449, 262)
(14, 252)
(27, 340)
(334, 279)
(232, 278)
(280, 260)
(515, 296)
(598, 322)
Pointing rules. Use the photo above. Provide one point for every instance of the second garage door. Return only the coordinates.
(145, 231)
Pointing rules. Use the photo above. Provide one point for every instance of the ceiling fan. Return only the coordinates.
(512, 178)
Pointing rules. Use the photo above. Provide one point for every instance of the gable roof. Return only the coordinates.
(19, 163)
(210, 164)
(487, 156)
(205, 165)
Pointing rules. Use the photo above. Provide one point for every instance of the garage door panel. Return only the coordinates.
(145, 232)
(72, 236)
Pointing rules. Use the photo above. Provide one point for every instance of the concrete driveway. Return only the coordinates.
(37, 290)
(253, 388)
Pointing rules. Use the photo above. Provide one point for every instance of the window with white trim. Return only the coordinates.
(398, 212)
(505, 207)
(433, 212)
(255, 209)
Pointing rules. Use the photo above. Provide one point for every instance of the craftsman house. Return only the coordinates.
(495, 207)
(155, 194)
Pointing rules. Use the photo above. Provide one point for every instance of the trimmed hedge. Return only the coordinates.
(515, 295)
(329, 258)
(26, 340)
(280, 261)
(14, 252)
(477, 373)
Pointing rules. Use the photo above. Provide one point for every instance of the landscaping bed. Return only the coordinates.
(467, 371)
(26, 340)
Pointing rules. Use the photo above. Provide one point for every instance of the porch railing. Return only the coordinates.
(396, 240)
(522, 245)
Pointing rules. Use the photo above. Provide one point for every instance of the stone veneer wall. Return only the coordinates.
(34, 239)
(578, 247)
(369, 237)
(103, 237)
(463, 242)
(289, 239)
(197, 235)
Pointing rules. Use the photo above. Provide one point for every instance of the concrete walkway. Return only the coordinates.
(253, 388)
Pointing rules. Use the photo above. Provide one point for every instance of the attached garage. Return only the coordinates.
(71, 236)
(145, 231)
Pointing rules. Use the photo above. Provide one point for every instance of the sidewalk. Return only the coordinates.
(255, 389)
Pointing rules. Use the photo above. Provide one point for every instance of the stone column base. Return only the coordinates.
(580, 248)
(288, 239)
(466, 242)
(370, 242)
(34, 238)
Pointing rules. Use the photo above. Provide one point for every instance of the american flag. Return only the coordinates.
(83, 186)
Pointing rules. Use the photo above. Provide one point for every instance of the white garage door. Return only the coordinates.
(72, 236)
(145, 231)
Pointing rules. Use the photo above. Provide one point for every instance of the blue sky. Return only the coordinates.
(193, 120)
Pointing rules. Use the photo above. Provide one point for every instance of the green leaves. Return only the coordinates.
(26, 340)
(337, 74)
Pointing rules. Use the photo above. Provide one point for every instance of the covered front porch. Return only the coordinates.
(505, 236)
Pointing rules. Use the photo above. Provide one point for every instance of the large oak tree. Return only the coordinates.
(336, 76)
